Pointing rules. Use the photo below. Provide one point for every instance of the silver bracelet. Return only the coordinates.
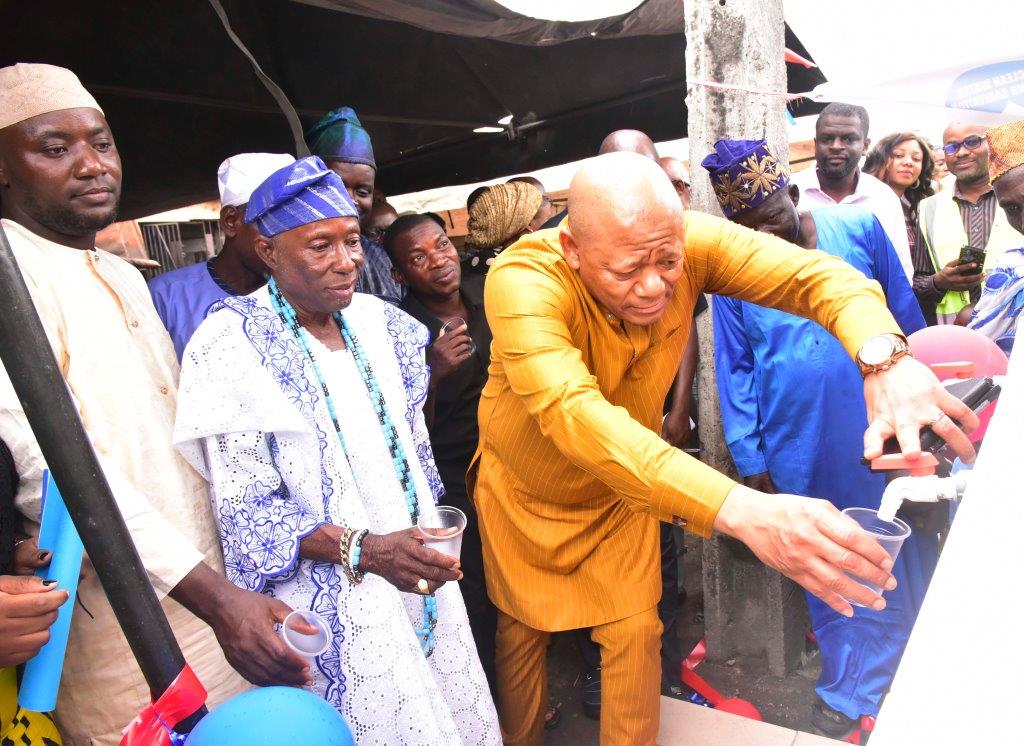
(345, 550)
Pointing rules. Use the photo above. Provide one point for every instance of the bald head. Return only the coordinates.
(625, 235)
(532, 181)
(675, 169)
(621, 190)
(679, 175)
(628, 141)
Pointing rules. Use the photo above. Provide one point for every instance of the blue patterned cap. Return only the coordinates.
(744, 173)
(339, 136)
(302, 192)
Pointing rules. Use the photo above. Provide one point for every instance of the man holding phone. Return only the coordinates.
(963, 230)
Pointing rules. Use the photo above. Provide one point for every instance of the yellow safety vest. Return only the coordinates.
(943, 231)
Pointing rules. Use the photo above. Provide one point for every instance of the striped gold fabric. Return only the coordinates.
(570, 477)
(630, 678)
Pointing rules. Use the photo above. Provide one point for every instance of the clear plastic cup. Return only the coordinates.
(457, 323)
(890, 534)
(441, 529)
(308, 646)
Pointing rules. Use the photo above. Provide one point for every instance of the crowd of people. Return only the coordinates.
(273, 422)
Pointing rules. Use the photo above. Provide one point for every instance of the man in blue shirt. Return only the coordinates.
(794, 414)
(183, 296)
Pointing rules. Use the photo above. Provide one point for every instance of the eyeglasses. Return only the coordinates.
(971, 143)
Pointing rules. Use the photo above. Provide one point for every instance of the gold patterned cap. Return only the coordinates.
(744, 173)
(1006, 148)
(28, 90)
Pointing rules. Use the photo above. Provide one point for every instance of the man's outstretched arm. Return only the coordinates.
(808, 540)
(762, 269)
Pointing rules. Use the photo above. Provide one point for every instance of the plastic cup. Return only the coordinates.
(442, 529)
(457, 323)
(890, 534)
(308, 646)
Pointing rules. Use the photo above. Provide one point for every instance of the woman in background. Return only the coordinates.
(498, 216)
(903, 160)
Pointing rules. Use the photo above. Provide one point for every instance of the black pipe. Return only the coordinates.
(32, 368)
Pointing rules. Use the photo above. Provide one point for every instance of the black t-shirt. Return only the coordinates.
(8, 489)
(555, 219)
(454, 433)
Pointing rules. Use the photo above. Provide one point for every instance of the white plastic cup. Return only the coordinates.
(890, 534)
(442, 528)
(308, 646)
(457, 323)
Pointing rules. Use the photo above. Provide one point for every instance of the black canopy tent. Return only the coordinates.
(181, 97)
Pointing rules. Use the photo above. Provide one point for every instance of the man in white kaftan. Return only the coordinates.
(119, 365)
(253, 420)
(121, 371)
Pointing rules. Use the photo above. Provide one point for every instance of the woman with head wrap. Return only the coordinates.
(497, 218)
(341, 142)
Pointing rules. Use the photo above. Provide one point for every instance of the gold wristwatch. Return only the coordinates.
(879, 353)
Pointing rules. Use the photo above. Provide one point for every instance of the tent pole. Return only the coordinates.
(32, 368)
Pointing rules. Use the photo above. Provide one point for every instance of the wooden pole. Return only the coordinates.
(749, 610)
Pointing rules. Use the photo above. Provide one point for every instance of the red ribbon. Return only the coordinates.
(714, 697)
(696, 656)
(152, 726)
(696, 682)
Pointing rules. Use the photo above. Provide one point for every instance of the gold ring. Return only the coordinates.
(422, 586)
(938, 417)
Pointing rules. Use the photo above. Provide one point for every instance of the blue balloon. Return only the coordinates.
(272, 716)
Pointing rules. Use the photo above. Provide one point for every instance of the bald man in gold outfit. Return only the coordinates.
(570, 478)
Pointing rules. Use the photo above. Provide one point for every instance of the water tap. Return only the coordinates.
(924, 489)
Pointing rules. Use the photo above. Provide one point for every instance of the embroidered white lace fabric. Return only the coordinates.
(253, 420)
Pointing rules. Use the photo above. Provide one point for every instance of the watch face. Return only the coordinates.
(877, 350)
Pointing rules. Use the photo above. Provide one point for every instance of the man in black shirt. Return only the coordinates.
(426, 263)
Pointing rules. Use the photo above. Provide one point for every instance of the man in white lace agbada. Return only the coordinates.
(302, 405)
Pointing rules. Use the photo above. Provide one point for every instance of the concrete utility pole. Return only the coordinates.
(749, 610)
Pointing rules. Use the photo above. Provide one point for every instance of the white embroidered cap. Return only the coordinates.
(239, 175)
(28, 90)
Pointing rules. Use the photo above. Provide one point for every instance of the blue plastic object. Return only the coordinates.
(57, 533)
(272, 716)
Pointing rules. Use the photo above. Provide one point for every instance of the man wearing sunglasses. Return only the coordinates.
(967, 215)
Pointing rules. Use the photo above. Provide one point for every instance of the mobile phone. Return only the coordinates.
(970, 254)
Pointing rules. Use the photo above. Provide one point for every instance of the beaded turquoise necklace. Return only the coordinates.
(399, 460)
